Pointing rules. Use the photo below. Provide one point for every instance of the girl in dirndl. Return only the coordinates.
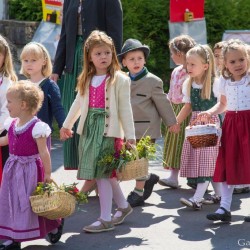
(173, 142)
(233, 163)
(198, 164)
(7, 76)
(103, 104)
(29, 163)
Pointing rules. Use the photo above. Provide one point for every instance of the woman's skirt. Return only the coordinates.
(173, 143)
(233, 163)
(94, 146)
(70, 147)
(199, 162)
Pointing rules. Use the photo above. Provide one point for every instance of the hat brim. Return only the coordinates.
(144, 48)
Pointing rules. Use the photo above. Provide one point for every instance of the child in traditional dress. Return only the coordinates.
(150, 106)
(198, 164)
(28, 163)
(7, 76)
(178, 46)
(103, 104)
(232, 166)
(37, 67)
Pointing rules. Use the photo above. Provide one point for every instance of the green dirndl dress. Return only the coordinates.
(173, 143)
(70, 147)
(93, 146)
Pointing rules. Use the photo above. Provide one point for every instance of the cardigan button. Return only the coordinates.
(107, 116)
(106, 125)
(107, 99)
(107, 107)
(105, 134)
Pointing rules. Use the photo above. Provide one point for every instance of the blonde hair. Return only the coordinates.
(206, 55)
(96, 38)
(181, 44)
(218, 45)
(29, 93)
(233, 44)
(37, 51)
(7, 67)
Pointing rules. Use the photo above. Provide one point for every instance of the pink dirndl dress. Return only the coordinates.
(22, 171)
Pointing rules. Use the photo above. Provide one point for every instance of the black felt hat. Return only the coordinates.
(131, 45)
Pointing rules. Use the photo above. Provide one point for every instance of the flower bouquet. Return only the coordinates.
(129, 164)
(53, 202)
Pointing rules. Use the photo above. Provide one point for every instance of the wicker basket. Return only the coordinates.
(133, 169)
(57, 204)
(202, 135)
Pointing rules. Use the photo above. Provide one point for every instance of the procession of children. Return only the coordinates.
(112, 110)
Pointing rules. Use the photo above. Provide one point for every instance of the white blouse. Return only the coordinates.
(237, 93)
(186, 95)
(4, 113)
(41, 129)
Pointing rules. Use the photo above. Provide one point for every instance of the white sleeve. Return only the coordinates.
(7, 123)
(222, 85)
(186, 97)
(41, 129)
(216, 88)
(4, 113)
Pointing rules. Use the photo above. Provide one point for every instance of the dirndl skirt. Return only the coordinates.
(173, 143)
(233, 163)
(198, 162)
(70, 147)
(93, 146)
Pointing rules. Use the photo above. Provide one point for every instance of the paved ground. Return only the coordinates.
(163, 223)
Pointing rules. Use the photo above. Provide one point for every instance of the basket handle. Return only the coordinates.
(195, 121)
(133, 147)
(52, 181)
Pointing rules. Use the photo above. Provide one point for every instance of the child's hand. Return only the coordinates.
(204, 116)
(65, 134)
(130, 143)
(47, 178)
(175, 128)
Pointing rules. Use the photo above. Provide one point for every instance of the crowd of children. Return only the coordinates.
(116, 108)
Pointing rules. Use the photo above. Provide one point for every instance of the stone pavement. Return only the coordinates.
(163, 223)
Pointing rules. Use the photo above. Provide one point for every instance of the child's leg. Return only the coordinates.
(223, 213)
(196, 201)
(226, 197)
(172, 180)
(104, 223)
(124, 209)
(105, 197)
(200, 191)
(217, 186)
(118, 195)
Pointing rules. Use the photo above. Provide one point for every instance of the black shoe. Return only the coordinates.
(149, 185)
(135, 199)
(192, 185)
(241, 190)
(222, 217)
(247, 219)
(54, 238)
(13, 246)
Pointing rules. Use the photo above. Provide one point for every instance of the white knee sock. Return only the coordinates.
(174, 175)
(118, 196)
(105, 197)
(226, 197)
(217, 186)
(200, 191)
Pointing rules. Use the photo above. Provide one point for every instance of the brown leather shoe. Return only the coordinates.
(125, 212)
(103, 227)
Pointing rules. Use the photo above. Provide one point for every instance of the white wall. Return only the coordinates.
(2, 9)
